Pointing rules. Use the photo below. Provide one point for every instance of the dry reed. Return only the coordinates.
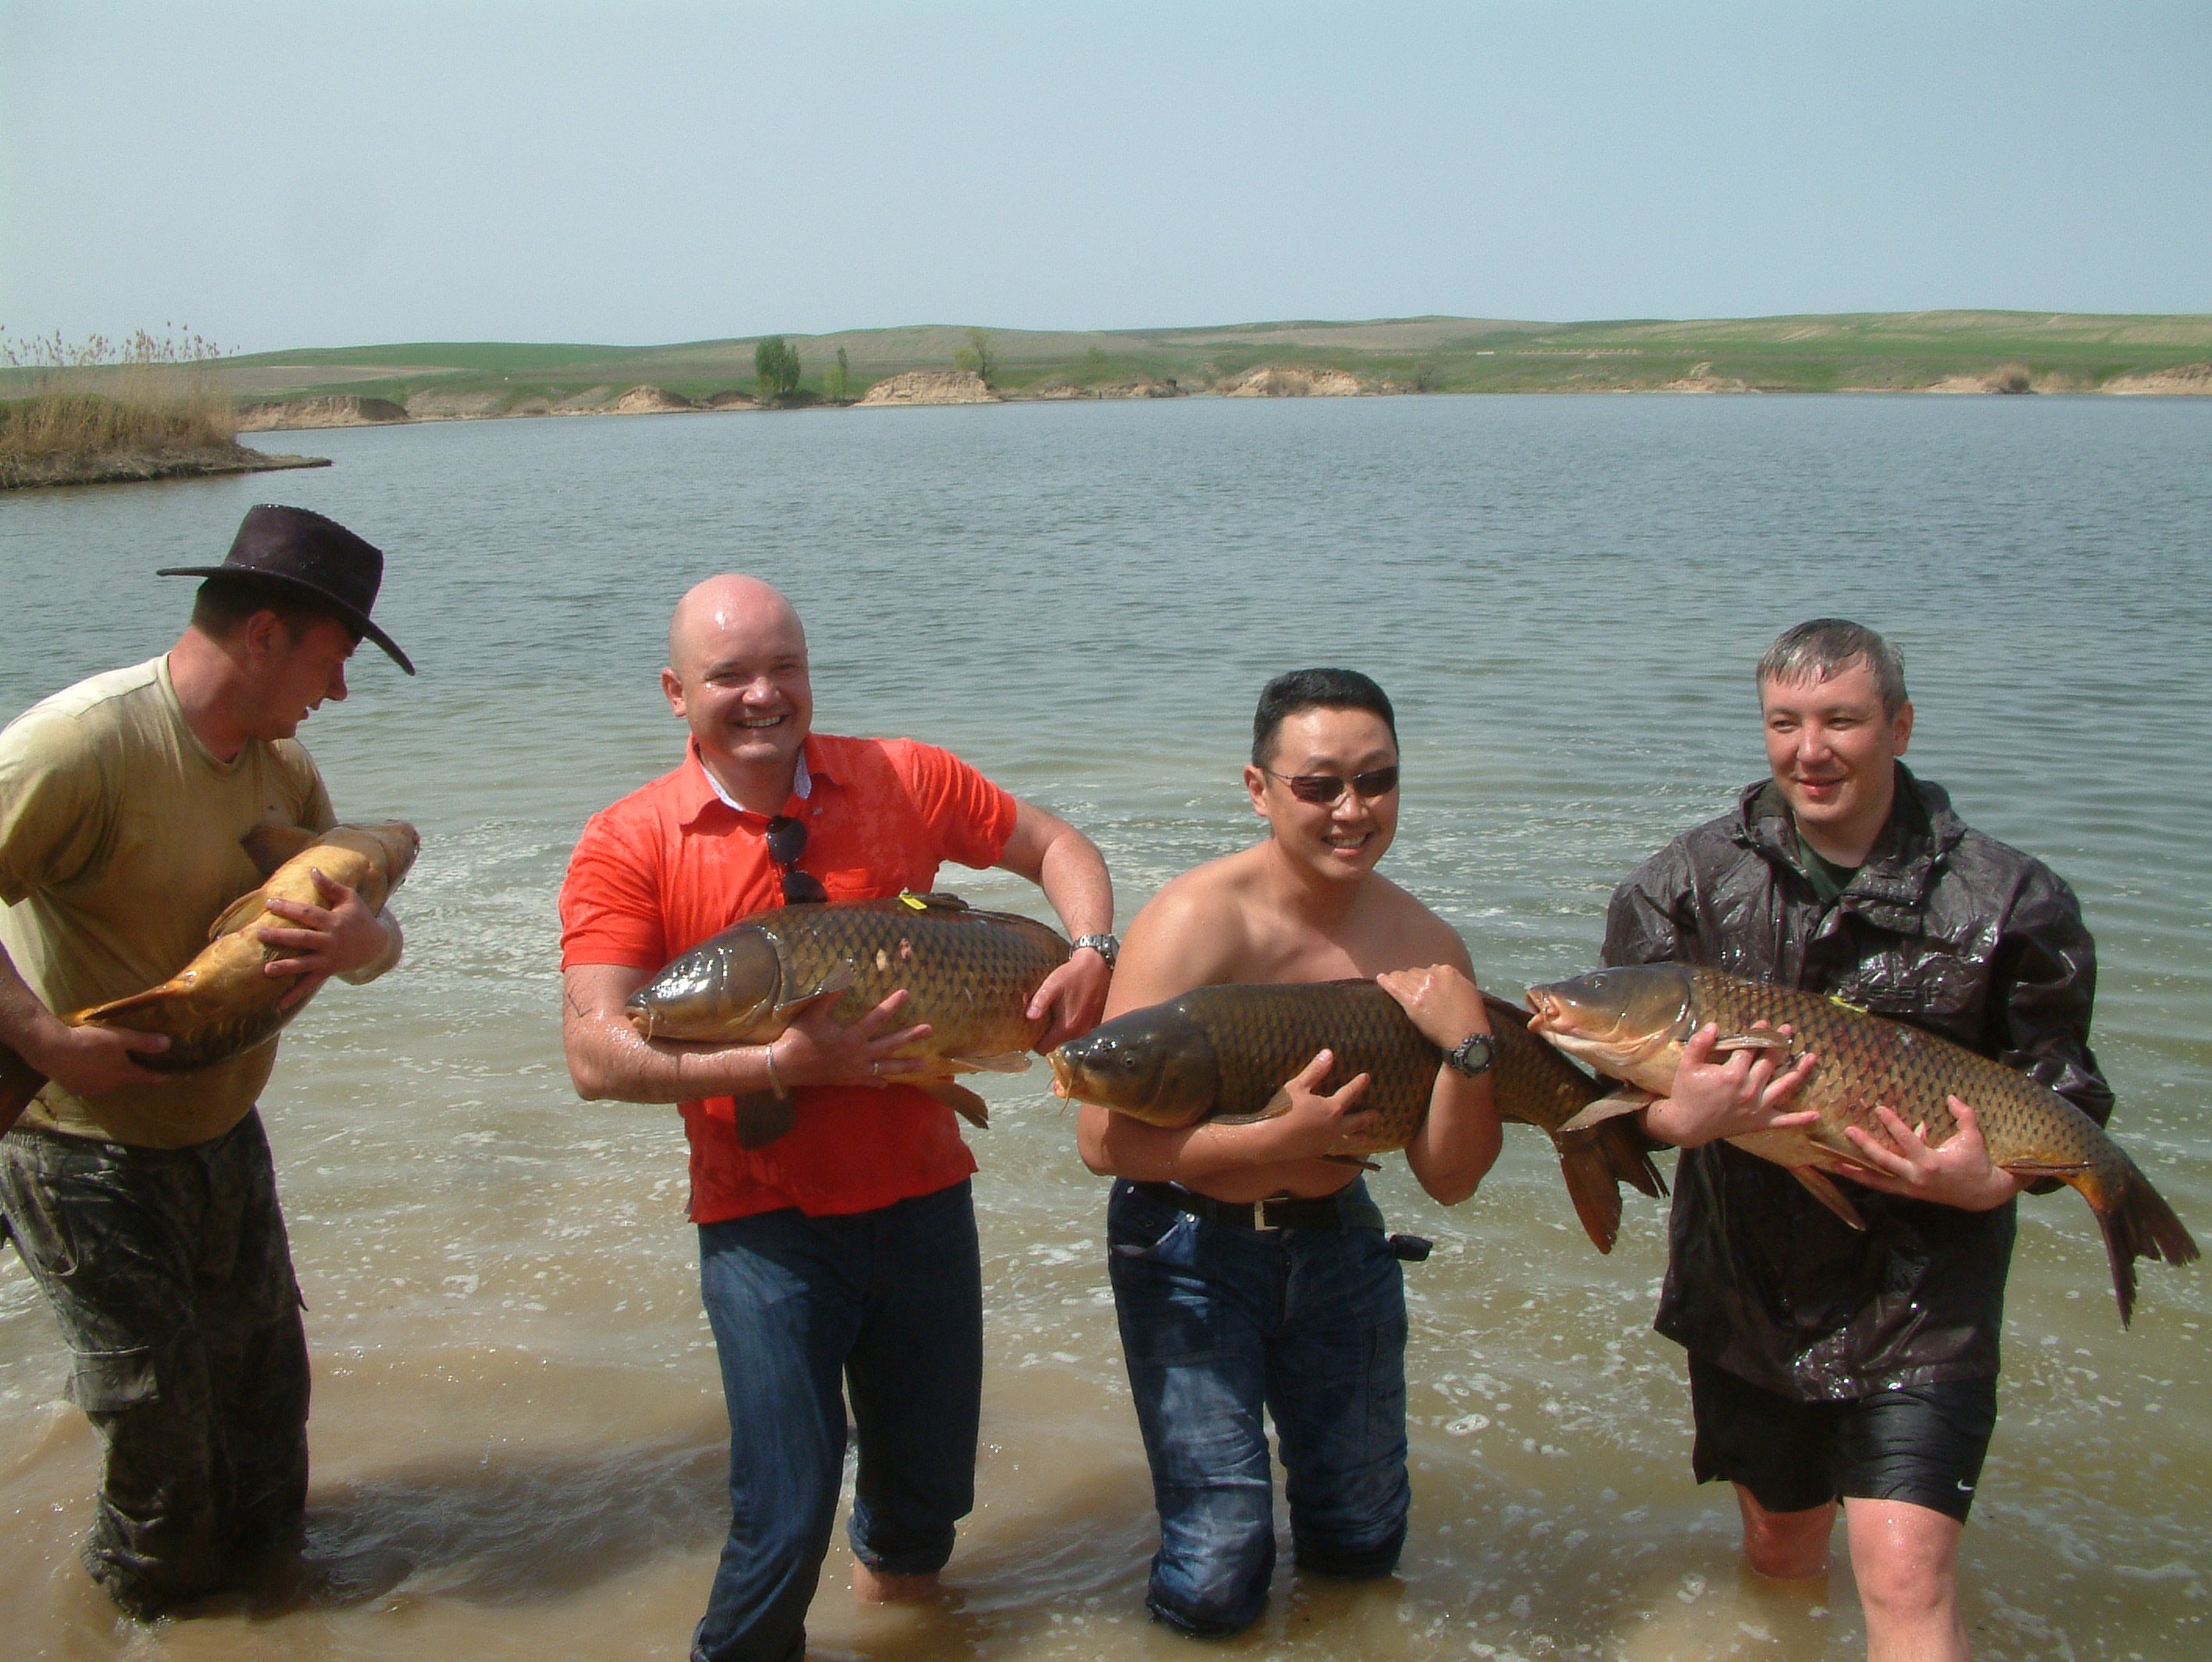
(150, 393)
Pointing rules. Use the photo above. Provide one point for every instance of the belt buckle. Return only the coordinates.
(1260, 1213)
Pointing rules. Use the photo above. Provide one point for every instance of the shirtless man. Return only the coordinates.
(1297, 1306)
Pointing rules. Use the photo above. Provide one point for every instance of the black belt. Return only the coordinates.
(1336, 1211)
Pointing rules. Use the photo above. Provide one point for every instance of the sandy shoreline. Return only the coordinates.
(134, 466)
(914, 388)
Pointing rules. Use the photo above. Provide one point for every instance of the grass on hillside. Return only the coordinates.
(1889, 351)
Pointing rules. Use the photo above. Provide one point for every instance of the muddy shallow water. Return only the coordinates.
(518, 1430)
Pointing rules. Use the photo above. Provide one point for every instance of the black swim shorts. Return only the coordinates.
(1922, 1443)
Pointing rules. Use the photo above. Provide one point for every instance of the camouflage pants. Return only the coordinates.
(170, 1275)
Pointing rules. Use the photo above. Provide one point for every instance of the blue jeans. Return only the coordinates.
(887, 1305)
(1218, 1322)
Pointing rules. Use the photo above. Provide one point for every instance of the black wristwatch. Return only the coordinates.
(1473, 1055)
(1106, 946)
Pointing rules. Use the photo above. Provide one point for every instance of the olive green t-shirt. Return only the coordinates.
(1828, 879)
(120, 843)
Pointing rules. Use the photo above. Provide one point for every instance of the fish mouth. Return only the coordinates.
(1063, 1074)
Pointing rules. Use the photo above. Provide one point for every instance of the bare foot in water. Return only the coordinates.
(875, 1586)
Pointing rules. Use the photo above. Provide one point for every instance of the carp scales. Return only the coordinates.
(223, 1004)
(1224, 1054)
(969, 974)
(1632, 1024)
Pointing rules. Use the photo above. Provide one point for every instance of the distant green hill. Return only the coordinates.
(1851, 352)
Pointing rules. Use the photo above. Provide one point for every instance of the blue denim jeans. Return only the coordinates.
(1218, 1323)
(887, 1306)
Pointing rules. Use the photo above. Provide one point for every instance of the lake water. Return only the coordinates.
(518, 1431)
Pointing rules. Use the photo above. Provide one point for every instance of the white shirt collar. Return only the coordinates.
(802, 783)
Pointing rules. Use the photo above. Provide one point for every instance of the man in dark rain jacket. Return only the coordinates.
(1825, 1364)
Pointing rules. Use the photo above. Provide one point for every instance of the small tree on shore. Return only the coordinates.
(775, 364)
(837, 380)
(978, 356)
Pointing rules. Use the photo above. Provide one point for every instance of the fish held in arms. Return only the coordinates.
(969, 974)
(1632, 1024)
(1224, 1054)
(223, 1003)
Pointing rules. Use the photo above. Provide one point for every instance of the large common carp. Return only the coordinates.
(1632, 1023)
(969, 974)
(1224, 1053)
(223, 1003)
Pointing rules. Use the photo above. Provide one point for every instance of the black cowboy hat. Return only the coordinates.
(305, 554)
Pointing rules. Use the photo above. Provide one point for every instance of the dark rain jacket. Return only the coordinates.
(1941, 927)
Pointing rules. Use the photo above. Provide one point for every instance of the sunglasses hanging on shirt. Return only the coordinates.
(787, 841)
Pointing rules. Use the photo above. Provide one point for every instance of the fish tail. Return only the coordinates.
(2137, 1223)
(1629, 1150)
(19, 1082)
(1592, 1186)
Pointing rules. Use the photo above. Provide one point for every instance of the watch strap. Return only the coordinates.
(1107, 946)
(1473, 1055)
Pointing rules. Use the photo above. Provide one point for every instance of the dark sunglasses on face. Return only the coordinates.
(1322, 789)
(787, 841)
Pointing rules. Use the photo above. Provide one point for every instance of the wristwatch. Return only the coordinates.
(1473, 1055)
(1108, 947)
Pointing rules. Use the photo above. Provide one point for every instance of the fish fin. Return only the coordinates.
(232, 917)
(1590, 1186)
(19, 1082)
(936, 899)
(2138, 1223)
(1352, 1160)
(762, 1117)
(831, 987)
(2041, 1169)
(1728, 1043)
(106, 1014)
(269, 846)
(1627, 1100)
(1016, 1062)
(1278, 1103)
(958, 1098)
(1818, 1185)
(1629, 1148)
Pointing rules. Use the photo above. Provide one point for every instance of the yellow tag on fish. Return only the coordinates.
(908, 898)
(1857, 1009)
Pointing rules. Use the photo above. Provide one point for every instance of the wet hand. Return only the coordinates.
(818, 1050)
(1314, 1124)
(1443, 1003)
(335, 939)
(1956, 1172)
(87, 1061)
(1071, 999)
(1751, 1091)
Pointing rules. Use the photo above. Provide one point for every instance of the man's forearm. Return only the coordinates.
(608, 1061)
(24, 1018)
(1074, 878)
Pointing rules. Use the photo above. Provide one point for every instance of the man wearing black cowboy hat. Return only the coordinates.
(145, 1204)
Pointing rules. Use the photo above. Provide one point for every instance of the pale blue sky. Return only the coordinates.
(328, 173)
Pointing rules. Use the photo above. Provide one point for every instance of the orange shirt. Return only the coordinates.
(672, 863)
